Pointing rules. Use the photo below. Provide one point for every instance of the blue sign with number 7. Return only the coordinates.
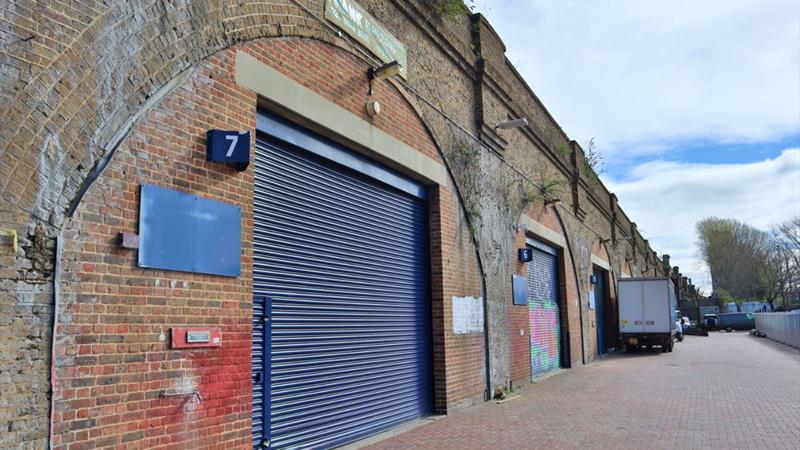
(228, 147)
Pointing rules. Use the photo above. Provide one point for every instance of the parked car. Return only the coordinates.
(737, 321)
(678, 331)
(678, 326)
(711, 321)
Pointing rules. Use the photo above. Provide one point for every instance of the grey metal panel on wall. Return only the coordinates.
(544, 312)
(343, 258)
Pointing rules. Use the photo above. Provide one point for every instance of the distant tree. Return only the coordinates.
(747, 263)
(785, 258)
(733, 252)
(774, 273)
(723, 297)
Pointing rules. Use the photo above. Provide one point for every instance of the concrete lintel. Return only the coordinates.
(282, 90)
(538, 229)
(600, 262)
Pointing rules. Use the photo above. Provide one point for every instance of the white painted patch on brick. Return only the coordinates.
(467, 315)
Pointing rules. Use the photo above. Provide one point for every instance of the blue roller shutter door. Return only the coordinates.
(343, 259)
(544, 311)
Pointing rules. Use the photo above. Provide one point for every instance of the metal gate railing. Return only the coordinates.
(781, 327)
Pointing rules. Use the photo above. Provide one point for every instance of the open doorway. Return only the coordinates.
(605, 312)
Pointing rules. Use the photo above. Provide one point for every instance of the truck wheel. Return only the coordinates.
(680, 338)
(663, 349)
(630, 348)
(669, 347)
(728, 329)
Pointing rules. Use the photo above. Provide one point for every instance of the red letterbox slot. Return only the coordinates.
(196, 337)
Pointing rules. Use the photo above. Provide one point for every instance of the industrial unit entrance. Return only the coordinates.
(342, 324)
(544, 309)
(606, 316)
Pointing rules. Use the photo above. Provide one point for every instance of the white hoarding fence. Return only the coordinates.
(781, 327)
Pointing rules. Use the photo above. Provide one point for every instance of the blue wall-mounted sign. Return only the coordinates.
(231, 147)
(526, 254)
(593, 279)
(187, 233)
(520, 289)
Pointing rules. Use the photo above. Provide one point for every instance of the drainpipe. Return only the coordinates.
(487, 369)
(56, 285)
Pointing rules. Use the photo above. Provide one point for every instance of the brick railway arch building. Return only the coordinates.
(378, 252)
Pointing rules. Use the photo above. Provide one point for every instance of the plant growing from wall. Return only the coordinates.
(545, 188)
(466, 159)
(450, 9)
(594, 159)
(565, 150)
(593, 163)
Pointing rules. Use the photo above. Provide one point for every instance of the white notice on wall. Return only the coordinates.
(591, 299)
(467, 315)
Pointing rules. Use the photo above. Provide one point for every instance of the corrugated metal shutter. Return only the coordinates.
(543, 309)
(259, 349)
(344, 260)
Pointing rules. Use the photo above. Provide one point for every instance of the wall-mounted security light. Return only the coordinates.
(385, 71)
(605, 241)
(512, 123)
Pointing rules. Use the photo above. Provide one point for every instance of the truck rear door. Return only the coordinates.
(657, 314)
(631, 313)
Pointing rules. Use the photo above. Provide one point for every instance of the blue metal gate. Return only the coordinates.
(260, 348)
(543, 310)
(599, 310)
(343, 259)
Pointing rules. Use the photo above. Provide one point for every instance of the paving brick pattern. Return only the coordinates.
(720, 392)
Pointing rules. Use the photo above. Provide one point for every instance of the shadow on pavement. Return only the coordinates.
(642, 352)
(781, 347)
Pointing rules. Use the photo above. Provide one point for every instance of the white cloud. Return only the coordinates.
(666, 199)
(645, 78)
(641, 75)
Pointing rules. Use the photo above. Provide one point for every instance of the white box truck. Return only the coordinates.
(647, 313)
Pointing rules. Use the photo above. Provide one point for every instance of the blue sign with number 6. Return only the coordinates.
(228, 147)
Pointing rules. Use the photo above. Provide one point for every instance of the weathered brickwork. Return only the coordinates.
(143, 81)
(109, 351)
(113, 356)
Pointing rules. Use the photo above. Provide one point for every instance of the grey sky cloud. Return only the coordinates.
(642, 76)
(646, 78)
(762, 194)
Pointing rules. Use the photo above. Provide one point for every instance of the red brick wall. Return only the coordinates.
(519, 319)
(111, 362)
(341, 78)
(465, 352)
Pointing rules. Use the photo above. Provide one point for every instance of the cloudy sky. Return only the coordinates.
(694, 104)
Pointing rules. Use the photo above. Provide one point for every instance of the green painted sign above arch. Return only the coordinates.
(359, 24)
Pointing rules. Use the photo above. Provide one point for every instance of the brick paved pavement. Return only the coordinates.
(724, 391)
